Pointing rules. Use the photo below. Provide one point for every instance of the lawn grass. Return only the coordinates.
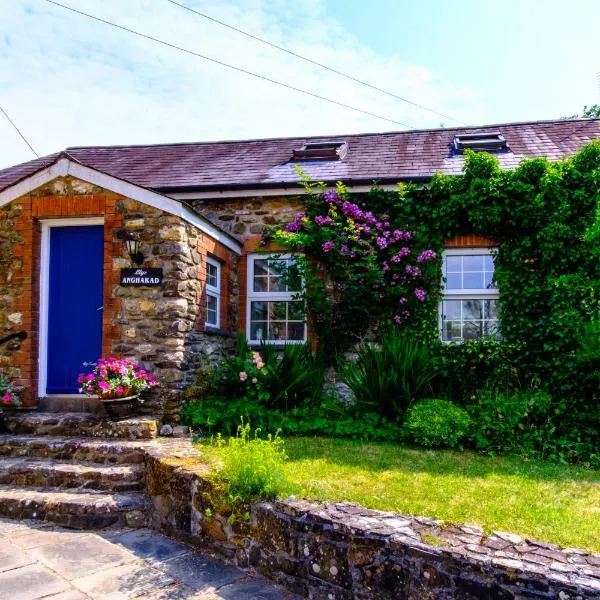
(542, 500)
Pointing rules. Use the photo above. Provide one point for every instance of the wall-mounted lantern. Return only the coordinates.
(132, 245)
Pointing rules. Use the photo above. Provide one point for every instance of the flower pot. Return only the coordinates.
(121, 408)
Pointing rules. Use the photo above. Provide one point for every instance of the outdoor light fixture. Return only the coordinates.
(133, 249)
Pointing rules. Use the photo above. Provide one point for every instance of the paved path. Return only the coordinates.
(42, 561)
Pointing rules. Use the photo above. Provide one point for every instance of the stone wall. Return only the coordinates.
(163, 328)
(11, 263)
(345, 552)
(248, 216)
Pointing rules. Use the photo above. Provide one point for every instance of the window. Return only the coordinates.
(274, 313)
(469, 308)
(492, 141)
(213, 293)
(325, 150)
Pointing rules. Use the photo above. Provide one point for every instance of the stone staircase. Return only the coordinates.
(75, 469)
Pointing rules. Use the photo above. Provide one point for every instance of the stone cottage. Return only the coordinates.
(151, 252)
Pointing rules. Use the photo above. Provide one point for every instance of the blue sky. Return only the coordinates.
(67, 80)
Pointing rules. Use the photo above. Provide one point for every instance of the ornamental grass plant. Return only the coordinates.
(388, 376)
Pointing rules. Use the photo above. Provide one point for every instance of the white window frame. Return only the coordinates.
(214, 291)
(463, 294)
(267, 297)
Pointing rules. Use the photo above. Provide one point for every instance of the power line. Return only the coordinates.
(314, 62)
(18, 131)
(224, 64)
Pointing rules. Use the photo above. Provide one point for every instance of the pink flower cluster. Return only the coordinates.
(116, 378)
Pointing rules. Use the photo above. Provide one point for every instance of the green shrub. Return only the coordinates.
(328, 417)
(474, 364)
(250, 467)
(437, 423)
(508, 422)
(389, 376)
(276, 377)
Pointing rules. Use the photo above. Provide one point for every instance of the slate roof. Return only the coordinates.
(383, 157)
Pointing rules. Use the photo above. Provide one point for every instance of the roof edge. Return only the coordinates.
(64, 165)
(348, 135)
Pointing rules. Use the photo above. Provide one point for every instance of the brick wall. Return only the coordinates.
(470, 241)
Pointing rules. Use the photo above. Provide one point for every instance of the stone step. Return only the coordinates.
(75, 509)
(43, 472)
(81, 425)
(70, 448)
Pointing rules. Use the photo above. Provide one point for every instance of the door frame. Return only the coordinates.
(46, 226)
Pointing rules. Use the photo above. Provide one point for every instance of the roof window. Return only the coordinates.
(325, 150)
(489, 141)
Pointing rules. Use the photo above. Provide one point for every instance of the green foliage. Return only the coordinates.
(370, 266)
(250, 467)
(503, 420)
(388, 376)
(278, 378)
(589, 112)
(437, 423)
(9, 392)
(327, 417)
(544, 218)
(464, 366)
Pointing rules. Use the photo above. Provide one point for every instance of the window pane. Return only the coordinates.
(472, 309)
(473, 263)
(295, 331)
(211, 275)
(211, 317)
(258, 311)
(472, 330)
(473, 281)
(491, 328)
(491, 309)
(277, 284)
(489, 262)
(294, 280)
(451, 310)
(277, 311)
(277, 330)
(453, 264)
(260, 284)
(258, 330)
(451, 331)
(453, 281)
(296, 311)
(260, 267)
(211, 302)
(487, 280)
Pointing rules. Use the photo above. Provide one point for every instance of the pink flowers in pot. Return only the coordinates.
(116, 378)
(8, 392)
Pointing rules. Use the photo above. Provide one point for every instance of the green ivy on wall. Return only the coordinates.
(544, 216)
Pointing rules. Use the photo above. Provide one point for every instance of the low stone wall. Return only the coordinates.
(342, 551)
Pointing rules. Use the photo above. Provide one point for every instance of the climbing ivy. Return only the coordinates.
(544, 217)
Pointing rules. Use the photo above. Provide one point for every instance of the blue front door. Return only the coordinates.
(74, 304)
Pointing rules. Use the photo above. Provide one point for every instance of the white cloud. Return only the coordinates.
(67, 80)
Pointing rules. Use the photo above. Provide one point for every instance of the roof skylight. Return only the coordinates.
(489, 141)
(324, 150)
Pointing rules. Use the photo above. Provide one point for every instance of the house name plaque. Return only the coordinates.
(141, 277)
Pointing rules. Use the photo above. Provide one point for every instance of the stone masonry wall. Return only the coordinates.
(163, 328)
(345, 552)
(248, 216)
